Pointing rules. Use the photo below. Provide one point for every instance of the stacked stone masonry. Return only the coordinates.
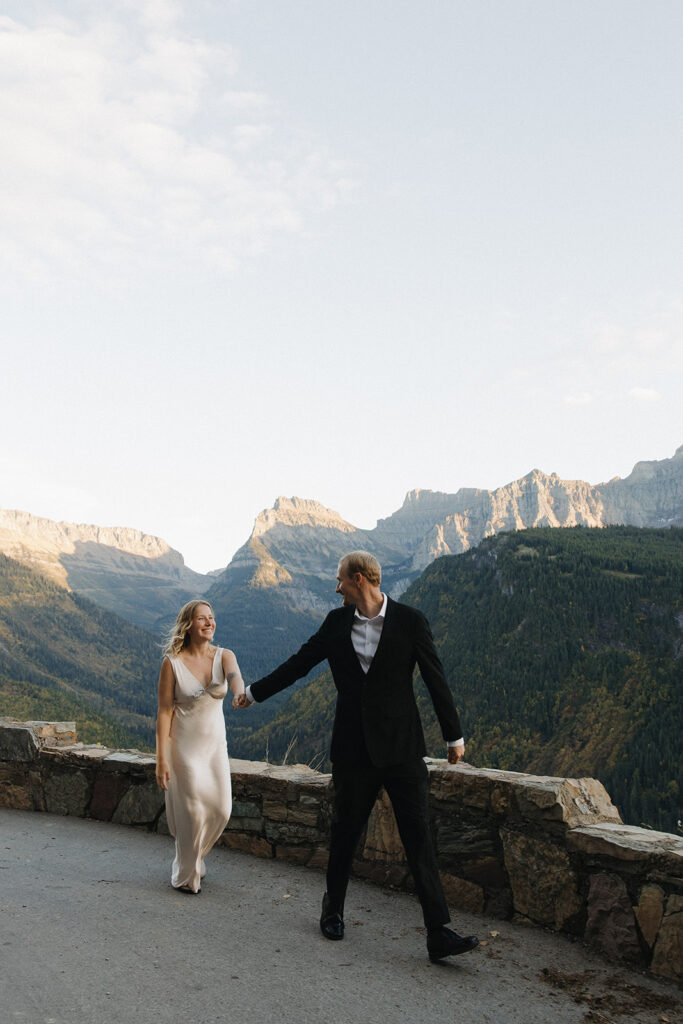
(548, 851)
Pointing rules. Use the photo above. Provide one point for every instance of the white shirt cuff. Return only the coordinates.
(248, 693)
(451, 743)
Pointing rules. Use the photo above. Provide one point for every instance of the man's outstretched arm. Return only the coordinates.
(310, 654)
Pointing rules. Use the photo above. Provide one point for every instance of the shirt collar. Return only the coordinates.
(380, 614)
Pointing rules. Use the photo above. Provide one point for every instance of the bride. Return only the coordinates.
(191, 749)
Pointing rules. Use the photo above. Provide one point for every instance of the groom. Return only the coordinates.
(372, 645)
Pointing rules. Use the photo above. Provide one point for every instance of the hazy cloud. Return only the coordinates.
(644, 394)
(613, 355)
(582, 398)
(128, 141)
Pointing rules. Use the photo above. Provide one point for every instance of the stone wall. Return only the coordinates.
(552, 852)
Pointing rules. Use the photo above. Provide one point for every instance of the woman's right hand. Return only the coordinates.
(162, 774)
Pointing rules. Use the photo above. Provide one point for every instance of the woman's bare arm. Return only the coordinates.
(164, 717)
(233, 676)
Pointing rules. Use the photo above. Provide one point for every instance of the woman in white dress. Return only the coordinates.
(192, 753)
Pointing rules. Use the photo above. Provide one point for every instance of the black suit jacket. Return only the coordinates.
(376, 713)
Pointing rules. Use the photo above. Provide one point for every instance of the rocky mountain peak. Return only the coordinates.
(298, 512)
(63, 537)
(647, 469)
(115, 566)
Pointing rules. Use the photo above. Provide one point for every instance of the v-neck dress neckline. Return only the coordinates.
(213, 670)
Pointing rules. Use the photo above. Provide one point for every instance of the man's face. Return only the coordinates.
(348, 586)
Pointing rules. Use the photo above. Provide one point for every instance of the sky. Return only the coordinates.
(332, 249)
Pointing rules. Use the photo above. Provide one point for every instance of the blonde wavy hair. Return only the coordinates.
(178, 637)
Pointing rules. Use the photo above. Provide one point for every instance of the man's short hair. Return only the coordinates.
(364, 563)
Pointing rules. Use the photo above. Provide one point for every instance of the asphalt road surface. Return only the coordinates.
(91, 932)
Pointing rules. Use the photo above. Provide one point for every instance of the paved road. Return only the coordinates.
(92, 933)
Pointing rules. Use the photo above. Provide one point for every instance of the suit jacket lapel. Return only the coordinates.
(384, 645)
(348, 625)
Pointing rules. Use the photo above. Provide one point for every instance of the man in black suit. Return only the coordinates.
(372, 645)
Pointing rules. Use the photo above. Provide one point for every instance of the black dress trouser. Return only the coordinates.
(356, 788)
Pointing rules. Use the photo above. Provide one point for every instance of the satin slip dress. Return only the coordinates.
(199, 794)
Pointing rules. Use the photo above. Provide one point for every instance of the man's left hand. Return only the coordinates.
(455, 754)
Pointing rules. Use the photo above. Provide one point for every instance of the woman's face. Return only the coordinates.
(203, 624)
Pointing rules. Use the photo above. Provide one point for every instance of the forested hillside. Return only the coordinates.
(64, 658)
(263, 626)
(564, 649)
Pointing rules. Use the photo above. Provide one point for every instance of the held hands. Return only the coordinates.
(455, 754)
(240, 700)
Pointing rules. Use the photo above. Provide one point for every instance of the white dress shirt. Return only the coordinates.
(366, 633)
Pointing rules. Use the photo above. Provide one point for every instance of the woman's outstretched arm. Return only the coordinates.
(232, 673)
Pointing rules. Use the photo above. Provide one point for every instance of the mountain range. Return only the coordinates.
(81, 608)
(295, 545)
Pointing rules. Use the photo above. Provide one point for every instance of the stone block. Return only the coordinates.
(128, 759)
(319, 858)
(140, 805)
(247, 844)
(567, 802)
(288, 781)
(108, 790)
(67, 793)
(464, 839)
(667, 959)
(587, 801)
(275, 810)
(502, 800)
(246, 809)
(489, 872)
(610, 923)
(75, 755)
(445, 781)
(237, 824)
(372, 870)
(462, 894)
(399, 876)
(382, 841)
(395, 875)
(294, 854)
(476, 791)
(543, 882)
(630, 844)
(35, 783)
(18, 743)
(499, 904)
(53, 734)
(311, 799)
(649, 912)
(289, 832)
(302, 815)
(16, 791)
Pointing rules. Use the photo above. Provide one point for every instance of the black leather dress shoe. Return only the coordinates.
(331, 922)
(443, 942)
